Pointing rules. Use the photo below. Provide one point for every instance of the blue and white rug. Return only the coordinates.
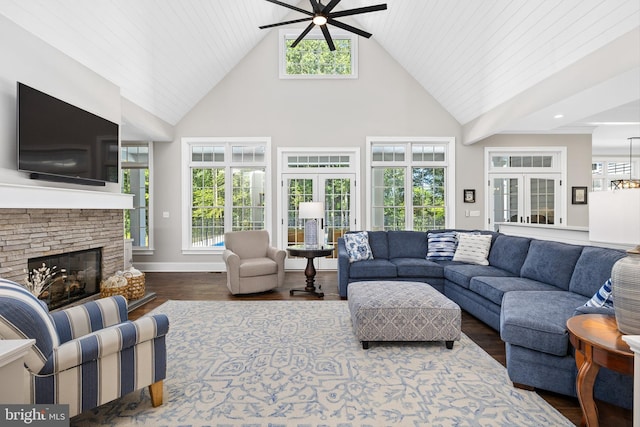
(297, 363)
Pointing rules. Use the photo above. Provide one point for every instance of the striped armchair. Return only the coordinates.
(86, 355)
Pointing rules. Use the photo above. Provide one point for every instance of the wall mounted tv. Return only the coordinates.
(60, 142)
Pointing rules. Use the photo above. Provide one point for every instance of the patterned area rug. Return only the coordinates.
(297, 363)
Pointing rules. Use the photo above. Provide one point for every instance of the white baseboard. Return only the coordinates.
(180, 267)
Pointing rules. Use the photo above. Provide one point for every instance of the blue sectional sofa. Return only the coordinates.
(527, 292)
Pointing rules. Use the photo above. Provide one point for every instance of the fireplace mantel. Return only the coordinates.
(13, 196)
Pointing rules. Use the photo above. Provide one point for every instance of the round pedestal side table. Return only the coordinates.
(309, 252)
(598, 343)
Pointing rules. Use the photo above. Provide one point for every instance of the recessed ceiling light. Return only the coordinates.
(558, 116)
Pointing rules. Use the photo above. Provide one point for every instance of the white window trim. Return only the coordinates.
(187, 142)
(560, 162)
(449, 165)
(293, 33)
(140, 250)
(282, 168)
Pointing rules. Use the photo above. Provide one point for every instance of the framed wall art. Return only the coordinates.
(578, 195)
(469, 196)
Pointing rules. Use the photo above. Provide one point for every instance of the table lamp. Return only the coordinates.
(311, 211)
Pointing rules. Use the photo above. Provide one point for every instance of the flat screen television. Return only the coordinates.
(58, 141)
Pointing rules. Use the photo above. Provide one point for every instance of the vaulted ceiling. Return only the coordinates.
(473, 56)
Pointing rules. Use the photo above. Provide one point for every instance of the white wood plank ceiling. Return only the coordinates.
(471, 55)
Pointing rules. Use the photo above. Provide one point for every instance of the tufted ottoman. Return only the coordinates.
(402, 311)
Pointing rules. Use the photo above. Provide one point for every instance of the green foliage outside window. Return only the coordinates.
(313, 57)
(139, 210)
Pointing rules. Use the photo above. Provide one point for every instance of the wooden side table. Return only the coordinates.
(309, 252)
(598, 343)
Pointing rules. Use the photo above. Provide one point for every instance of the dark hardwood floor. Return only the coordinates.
(212, 286)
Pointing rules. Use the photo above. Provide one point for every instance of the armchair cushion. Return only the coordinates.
(92, 316)
(257, 267)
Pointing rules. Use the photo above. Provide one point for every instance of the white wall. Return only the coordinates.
(252, 101)
(27, 59)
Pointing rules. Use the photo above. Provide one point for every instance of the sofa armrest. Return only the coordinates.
(89, 317)
(343, 268)
(105, 342)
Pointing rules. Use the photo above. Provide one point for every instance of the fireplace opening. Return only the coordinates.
(77, 275)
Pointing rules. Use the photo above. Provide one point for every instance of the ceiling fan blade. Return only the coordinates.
(349, 28)
(288, 6)
(304, 33)
(327, 37)
(315, 6)
(358, 10)
(329, 7)
(285, 23)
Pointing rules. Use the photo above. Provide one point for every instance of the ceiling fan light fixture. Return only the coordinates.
(320, 20)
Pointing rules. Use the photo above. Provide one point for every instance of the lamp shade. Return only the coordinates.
(311, 210)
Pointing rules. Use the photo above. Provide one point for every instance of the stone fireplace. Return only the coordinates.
(74, 276)
(31, 234)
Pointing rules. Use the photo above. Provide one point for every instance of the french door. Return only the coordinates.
(337, 191)
(525, 198)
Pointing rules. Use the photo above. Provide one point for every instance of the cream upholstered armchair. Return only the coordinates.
(252, 264)
(85, 355)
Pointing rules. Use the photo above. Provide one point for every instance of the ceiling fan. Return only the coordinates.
(321, 15)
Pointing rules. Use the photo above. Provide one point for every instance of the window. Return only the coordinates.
(605, 170)
(525, 185)
(411, 182)
(135, 169)
(312, 59)
(225, 186)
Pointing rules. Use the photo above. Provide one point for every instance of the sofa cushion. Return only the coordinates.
(461, 274)
(372, 268)
(379, 244)
(593, 269)
(551, 262)
(357, 245)
(537, 319)
(441, 246)
(473, 248)
(417, 267)
(407, 244)
(509, 253)
(494, 288)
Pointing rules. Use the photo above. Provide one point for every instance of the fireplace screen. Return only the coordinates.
(76, 275)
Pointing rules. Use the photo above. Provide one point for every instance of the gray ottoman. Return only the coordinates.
(402, 311)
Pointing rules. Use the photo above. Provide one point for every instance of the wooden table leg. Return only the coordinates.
(587, 372)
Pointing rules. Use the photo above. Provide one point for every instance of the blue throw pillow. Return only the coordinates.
(357, 245)
(603, 297)
(441, 246)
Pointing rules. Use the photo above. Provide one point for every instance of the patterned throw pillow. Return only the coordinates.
(473, 248)
(358, 247)
(603, 297)
(441, 246)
